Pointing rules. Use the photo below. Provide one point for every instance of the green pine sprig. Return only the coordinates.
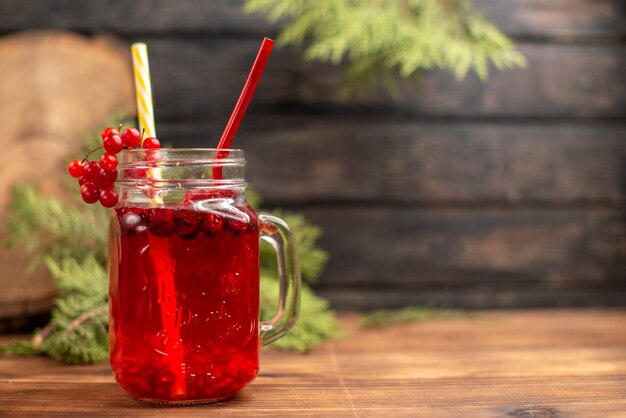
(70, 239)
(380, 40)
(312, 257)
(385, 317)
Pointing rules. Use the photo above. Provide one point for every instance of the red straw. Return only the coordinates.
(243, 102)
(246, 94)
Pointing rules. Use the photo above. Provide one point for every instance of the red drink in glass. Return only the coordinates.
(184, 276)
(184, 302)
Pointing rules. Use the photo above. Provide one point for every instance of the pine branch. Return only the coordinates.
(19, 348)
(49, 229)
(99, 311)
(41, 336)
(81, 340)
(70, 239)
(380, 40)
(386, 317)
(316, 324)
(312, 257)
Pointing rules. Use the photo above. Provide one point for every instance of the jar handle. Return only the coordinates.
(276, 232)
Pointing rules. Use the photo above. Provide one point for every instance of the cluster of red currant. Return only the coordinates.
(97, 179)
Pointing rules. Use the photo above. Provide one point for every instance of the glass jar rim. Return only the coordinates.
(183, 149)
(181, 167)
(159, 156)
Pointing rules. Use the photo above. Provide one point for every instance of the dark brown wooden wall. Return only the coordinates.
(507, 193)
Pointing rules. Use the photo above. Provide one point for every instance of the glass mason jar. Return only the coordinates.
(184, 276)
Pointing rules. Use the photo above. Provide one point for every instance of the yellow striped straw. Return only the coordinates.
(143, 88)
(145, 115)
(145, 109)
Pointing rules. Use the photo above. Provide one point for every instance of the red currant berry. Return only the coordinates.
(151, 142)
(91, 171)
(113, 144)
(108, 197)
(152, 155)
(131, 137)
(137, 173)
(132, 220)
(200, 195)
(245, 221)
(108, 132)
(83, 180)
(212, 223)
(90, 193)
(75, 168)
(108, 162)
(187, 223)
(161, 222)
(107, 177)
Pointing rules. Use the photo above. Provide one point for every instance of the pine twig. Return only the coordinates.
(84, 317)
(54, 232)
(382, 42)
(41, 336)
(387, 317)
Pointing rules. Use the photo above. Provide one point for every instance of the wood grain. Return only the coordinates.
(498, 364)
(561, 19)
(216, 17)
(575, 81)
(557, 18)
(297, 160)
(53, 89)
(460, 250)
(474, 294)
(200, 76)
(506, 193)
(200, 79)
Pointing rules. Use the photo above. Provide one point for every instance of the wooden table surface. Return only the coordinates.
(560, 363)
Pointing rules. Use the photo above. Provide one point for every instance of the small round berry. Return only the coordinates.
(108, 197)
(132, 220)
(245, 221)
(137, 173)
(76, 168)
(83, 180)
(152, 155)
(151, 143)
(212, 223)
(107, 177)
(201, 195)
(90, 193)
(131, 137)
(113, 144)
(91, 185)
(108, 162)
(108, 131)
(91, 171)
(161, 222)
(187, 222)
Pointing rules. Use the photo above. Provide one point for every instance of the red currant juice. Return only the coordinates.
(184, 301)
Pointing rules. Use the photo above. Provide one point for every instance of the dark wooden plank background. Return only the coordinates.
(499, 194)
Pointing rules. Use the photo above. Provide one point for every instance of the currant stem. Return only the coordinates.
(91, 152)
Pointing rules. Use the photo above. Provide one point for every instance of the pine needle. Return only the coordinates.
(19, 348)
(385, 39)
(70, 239)
(387, 317)
(316, 324)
